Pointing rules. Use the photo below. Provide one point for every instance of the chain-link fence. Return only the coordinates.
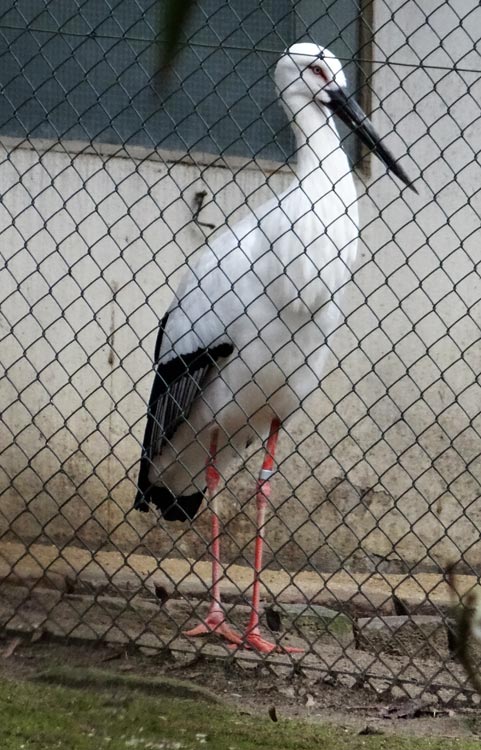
(114, 178)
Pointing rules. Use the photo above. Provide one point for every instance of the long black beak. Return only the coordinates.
(351, 113)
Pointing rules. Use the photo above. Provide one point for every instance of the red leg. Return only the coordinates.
(253, 636)
(215, 620)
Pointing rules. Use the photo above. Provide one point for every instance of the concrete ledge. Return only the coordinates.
(73, 568)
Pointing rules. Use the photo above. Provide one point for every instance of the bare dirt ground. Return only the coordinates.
(58, 610)
(156, 627)
(252, 687)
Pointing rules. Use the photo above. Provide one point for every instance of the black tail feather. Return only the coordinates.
(177, 383)
(173, 508)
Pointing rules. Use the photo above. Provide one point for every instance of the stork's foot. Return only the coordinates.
(256, 642)
(215, 624)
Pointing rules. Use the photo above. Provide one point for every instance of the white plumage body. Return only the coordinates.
(270, 285)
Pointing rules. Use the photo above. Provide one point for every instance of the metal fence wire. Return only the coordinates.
(115, 177)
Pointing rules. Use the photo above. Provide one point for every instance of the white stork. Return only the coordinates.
(243, 342)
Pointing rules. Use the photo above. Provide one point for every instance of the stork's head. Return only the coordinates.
(307, 75)
(306, 72)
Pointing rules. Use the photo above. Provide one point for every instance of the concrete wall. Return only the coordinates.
(387, 469)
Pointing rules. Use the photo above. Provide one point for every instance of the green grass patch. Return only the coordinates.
(36, 716)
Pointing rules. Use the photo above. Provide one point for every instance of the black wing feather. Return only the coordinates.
(177, 384)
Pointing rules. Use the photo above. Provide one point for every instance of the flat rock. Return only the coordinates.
(404, 635)
(315, 620)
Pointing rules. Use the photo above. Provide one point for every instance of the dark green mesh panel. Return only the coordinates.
(90, 71)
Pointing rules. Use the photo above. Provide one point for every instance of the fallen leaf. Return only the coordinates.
(114, 655)
(161, 593)
(10, 650)
(273, 619)
(273, 713)
(370, 730)
(310, 700)
(37, 635)
(399, 606)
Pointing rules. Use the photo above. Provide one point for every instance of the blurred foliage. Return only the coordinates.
(176, 14)
(467, 610)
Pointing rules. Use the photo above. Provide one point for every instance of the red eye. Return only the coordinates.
(318, 71)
